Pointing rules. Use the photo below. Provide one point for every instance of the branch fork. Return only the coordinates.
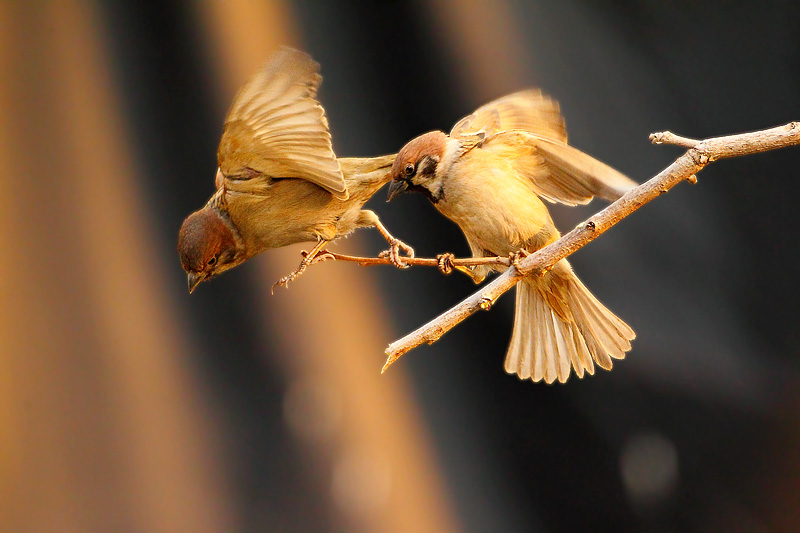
(699, 154)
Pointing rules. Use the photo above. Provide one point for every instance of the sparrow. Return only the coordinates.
(279, 181)
(493, 183)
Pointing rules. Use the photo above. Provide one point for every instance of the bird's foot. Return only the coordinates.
(515, 257)
(284, 281)
(309, 258)
(393, 253)
(445, 263)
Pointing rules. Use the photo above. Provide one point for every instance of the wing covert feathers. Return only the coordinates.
(558, 172)
(528, 110)
(277, 127)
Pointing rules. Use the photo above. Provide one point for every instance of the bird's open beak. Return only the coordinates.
(396, 187)
(194, 280)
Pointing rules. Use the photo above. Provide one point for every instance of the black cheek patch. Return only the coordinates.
(427, 165)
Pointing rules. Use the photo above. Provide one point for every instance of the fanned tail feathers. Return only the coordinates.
(559, 325)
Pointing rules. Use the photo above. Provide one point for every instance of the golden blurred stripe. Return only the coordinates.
(109, 437)
(42, 490)
(242, 34)
(484, 39)
(332, 330)
(10, 431)
(174, 479)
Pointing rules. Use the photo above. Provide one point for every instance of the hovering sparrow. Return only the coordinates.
(279, 181)
(492, 183)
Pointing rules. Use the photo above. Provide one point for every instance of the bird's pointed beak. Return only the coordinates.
(194, 280)
(396, 187)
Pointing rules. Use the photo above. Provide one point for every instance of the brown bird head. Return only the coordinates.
(414, 168)
(208, 244)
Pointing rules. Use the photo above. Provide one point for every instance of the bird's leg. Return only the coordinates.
(366, 219)
(515, 257)
(316, 255)
(322, 255)
(395, 245)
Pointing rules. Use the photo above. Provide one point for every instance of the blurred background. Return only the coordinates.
(128, 405)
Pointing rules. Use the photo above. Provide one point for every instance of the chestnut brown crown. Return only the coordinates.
(430, 144)
(208, 245)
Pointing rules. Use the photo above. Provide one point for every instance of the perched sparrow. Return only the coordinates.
(492, 183)
(279, 181)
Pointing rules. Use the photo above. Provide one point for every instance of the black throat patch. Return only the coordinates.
(424, 191)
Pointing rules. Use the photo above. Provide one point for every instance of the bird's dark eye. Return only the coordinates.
(212, 261)
(409, 170)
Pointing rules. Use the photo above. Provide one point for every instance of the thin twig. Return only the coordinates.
(699, 155)
(421, 261)
(667, 137)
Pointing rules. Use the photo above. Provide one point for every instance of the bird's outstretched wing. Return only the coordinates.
(528, 110)
(558, 172)
(276, 128)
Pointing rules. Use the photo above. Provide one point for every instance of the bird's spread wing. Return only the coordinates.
(527, 110)
(559, 172)
(276, 128)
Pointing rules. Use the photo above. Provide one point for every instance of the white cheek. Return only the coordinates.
(451, 151)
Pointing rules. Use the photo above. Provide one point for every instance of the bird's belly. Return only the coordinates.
(292, 213)
(499, 218)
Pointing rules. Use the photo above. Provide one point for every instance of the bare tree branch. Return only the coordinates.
(700, 154)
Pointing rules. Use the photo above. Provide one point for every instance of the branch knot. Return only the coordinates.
(700, 156)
